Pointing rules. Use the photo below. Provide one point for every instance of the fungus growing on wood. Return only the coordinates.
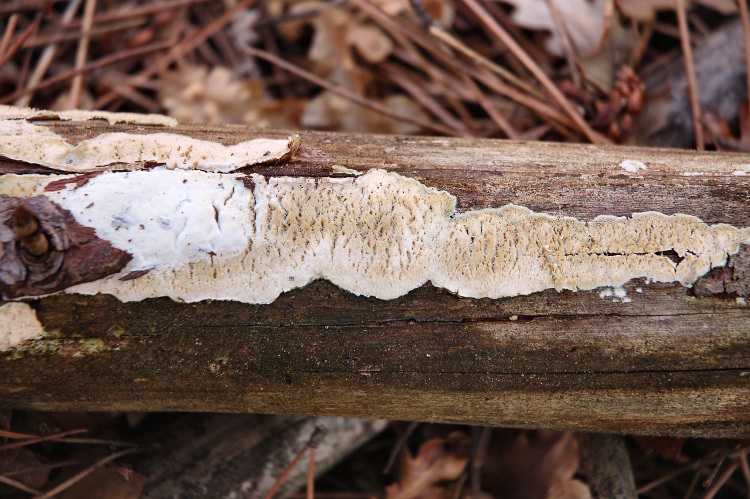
(37, 144)
(195, 236)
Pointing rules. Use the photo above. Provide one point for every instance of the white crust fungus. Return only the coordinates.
(219, 236)
(18, 323)
(28, 113)
(27, 185)
(24, 141)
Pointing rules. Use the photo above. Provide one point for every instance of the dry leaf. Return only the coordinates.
(20, 459)
(193, 93)
(440, 10)
(438, 459)
(525, 465)
(569, 489)
(109, 482)
(370, 42)
(645, 10)
(328, 111)
(667, 447)
(583, 20)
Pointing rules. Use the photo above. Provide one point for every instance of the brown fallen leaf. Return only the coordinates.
(527, 464)
(438, 459)
(12, 461)
(667, 447)
(569, 489)
(110, 482)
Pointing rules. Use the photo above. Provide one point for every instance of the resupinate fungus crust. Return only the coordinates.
(195, 231)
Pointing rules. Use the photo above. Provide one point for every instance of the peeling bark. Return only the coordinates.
(733, 279)
(72, 255)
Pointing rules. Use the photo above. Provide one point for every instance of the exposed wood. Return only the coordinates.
(666, 363)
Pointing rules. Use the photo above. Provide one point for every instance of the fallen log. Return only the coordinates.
(434, 303)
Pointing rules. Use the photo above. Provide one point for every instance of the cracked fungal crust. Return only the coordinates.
(196, 236)
(30, 143)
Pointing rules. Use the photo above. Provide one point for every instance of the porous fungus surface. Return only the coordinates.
(225, 236)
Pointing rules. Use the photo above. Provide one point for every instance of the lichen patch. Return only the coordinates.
(196, 236)
(30, 143)
(18, 323)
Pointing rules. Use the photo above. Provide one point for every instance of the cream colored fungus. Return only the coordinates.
(18, 323)
(38, 144)
(214, 236)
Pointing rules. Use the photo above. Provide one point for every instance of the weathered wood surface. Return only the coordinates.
(666, 362)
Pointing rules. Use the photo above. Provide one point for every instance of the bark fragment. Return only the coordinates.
(732, 279)
(43, 249)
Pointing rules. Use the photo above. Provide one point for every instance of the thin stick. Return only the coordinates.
(220, 38)
(720, 481)
(745, 16)
(553, 117)
(480, 439)
(30, 441)
(395, 27)
(25, 5)
(83, 52)
(413, 88)
(347, 94)
(556, 94)
(663, 479)
(311, 474)
(131, 94)
(8, 35)
(399, 30)
(450, 87)
(692, 81)
(78, 477)
(708, 481)
(184, 47)
(489, 106)
(128, 12)
(461, 47)
(12, 434)
(97, 30)
(280, 481)
(567, 44)
(98, 441)
(42, 467)
(531, 48)
(742, 458)
(696, 478)
(48, 55)
(99, 63)
(317, 436)
(19, 485)
(643, 42)
(399, 445)
(5, 57)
